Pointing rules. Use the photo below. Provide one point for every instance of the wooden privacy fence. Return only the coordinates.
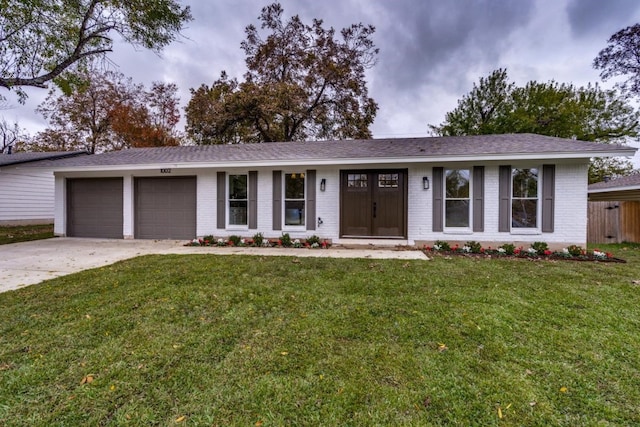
(613, 222)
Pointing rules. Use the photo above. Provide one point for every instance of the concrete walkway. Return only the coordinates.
(28, 263)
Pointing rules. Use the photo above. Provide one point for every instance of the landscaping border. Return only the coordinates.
(537, 251)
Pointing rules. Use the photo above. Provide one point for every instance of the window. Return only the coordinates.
(457, 199)
(388, 180)
(357, 180)
(294, 199)
(524, 198)
(238, 200)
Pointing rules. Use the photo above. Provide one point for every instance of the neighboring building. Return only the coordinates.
(27, 194)
(518, 188)
(614, 210)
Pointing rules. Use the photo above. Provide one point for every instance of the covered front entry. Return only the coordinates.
(373, 203)
(165, 208)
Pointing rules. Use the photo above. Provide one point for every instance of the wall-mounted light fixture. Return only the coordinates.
(425, 182)
(323, 184)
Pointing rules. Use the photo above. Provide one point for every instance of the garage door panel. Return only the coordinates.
(165, 208)
(94, 207)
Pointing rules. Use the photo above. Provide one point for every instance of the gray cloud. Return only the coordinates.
(424, 37)
(586, 17)
(431, 51)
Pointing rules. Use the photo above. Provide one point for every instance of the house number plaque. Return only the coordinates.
(165, 170)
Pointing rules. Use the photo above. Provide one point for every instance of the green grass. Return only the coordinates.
(215, 340)
(25, 233)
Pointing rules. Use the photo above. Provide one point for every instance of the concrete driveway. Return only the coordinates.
(28, 263)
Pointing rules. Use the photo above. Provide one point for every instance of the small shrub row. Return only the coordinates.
(258, 240)
(537, 250)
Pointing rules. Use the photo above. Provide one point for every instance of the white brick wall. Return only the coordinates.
(570, 210)
(570, 204)
(206, 200)
(127, 207)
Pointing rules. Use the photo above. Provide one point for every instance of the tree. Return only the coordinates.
(107, 112)
(621, 57)
(588, 113)
(302, 82)
(10, 136)
(42, 39)
(482, 111)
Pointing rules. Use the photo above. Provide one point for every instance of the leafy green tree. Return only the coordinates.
(302, 82)
(588, 113)
(621, 57)
(482, 111)
(42, 39)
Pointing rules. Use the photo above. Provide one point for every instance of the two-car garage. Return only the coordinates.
(164, 207)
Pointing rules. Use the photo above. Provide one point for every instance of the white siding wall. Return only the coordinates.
(26, 195)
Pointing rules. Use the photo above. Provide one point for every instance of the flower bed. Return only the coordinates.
(537, 250)
(258, 240)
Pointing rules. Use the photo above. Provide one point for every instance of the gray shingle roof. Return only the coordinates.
(375, 149)
(18, 158)
(623, 181)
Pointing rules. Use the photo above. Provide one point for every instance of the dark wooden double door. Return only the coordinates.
(373, 203)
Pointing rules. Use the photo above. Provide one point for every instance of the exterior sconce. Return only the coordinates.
(425, 182)
(323, 184)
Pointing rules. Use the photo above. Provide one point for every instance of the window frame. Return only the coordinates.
(452, 229)
(285, 199)
(537, 229)
(229, 200)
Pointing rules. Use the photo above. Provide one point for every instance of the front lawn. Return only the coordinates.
(274, 341)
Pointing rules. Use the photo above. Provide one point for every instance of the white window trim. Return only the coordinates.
(286, 227)
(456, 230)
(530, 231)
(230, 226)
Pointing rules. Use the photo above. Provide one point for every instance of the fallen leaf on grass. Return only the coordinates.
(258, 423)
(442, 347)
(563, 389)
(87, 379)
(180, 419)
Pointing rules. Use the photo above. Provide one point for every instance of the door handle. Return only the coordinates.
(375, 209)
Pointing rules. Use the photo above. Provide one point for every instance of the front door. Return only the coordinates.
(373, 203)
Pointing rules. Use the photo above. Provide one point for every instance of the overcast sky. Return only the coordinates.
(431, 51)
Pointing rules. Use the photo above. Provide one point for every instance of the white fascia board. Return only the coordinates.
(612, 189)
(353, 161)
